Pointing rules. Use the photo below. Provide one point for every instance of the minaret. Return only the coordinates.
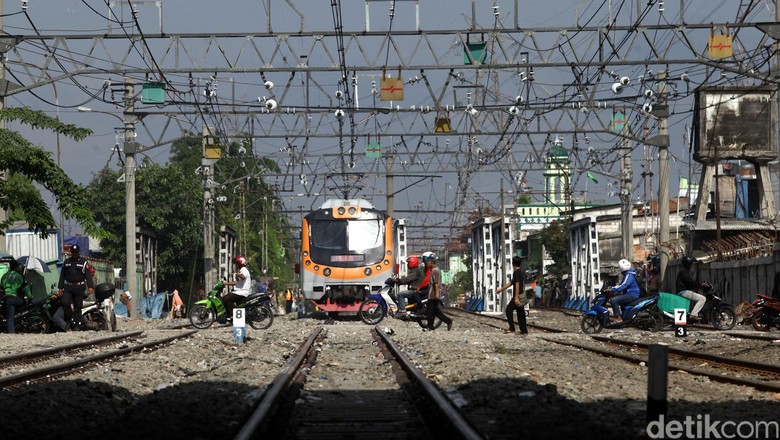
(557, 173)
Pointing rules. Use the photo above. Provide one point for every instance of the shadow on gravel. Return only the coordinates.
(511, 409)
(92, 410)
(501, 409)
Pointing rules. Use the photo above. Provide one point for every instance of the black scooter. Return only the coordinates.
(28, 318)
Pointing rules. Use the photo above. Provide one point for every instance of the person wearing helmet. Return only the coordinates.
(435, 305)
(415, 276)
(628, 289)
(686, 286)
(425, 285)
(242, 286)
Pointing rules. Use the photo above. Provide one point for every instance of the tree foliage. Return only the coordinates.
(555, 238)
(169, 203)
(523, 199)
(264, 234)
(27, 164)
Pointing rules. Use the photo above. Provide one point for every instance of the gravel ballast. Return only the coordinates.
(202, 386)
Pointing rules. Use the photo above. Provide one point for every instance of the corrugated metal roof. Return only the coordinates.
(731, 225)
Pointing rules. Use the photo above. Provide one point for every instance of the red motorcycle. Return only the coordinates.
(766, 313)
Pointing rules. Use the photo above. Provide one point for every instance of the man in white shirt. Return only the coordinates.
(242, 289)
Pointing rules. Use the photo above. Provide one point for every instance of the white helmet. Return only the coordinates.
(428, 256)
(624, 265)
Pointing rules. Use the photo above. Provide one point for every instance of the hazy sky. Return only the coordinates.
(75, 17)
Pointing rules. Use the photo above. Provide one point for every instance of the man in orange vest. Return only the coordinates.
(288, 301)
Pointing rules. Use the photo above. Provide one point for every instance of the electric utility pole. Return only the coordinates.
(627, 211)
(662, 111)
(209, 217)
(130, 147)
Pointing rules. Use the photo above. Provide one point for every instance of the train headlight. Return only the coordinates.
(316, 268)
(387, 262)
(341, 211)
(367, 271)
(326, 272)
(352, 210)
(305, 253)
(308, 262)
(378, 267)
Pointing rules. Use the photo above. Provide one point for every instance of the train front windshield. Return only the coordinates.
(347, 243)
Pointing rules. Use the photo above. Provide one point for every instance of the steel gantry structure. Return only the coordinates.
(488, 96)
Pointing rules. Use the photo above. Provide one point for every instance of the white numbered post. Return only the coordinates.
(239, 325)
(680, 323)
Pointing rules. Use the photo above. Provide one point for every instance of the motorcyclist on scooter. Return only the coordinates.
(242, 289)
(687, 286)
(412, 280)
(628, 287)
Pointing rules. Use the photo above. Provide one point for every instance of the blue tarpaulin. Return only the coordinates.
(148, 307)
(120, 310)
(83, 243)
(152, 306)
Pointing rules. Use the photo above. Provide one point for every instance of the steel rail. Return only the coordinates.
(78, 363)
(47, 351)
(741, 363)
(502, 319)
(272, 396)
(752, 336)
(456, 419)
(764, 386)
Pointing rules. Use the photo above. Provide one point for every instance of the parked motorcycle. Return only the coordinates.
(376, 306)
(640, 313)
(28, 318)
(258, 307)
(100, 315)
(766, 313)
(715, 311)
(53, 311)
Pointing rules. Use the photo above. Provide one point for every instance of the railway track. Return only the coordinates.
(761, 376)
(294, 407)
(29, 356)
(767, 337)
(59, 369)
(762, 371)
(713, 368)
(500, 322)
(667, 326)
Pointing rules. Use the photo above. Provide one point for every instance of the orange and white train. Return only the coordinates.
(348, 250)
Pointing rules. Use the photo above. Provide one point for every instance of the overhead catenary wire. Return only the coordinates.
(515, 129)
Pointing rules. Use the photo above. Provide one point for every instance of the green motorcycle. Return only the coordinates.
(257, 306)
